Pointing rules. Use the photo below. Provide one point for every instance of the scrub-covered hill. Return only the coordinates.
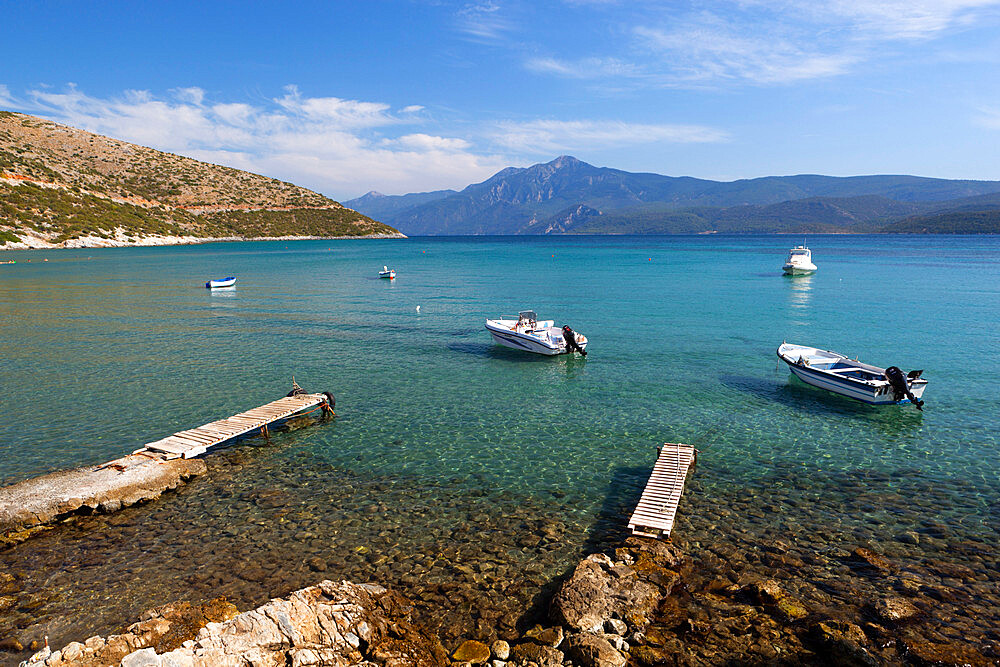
(61, 186)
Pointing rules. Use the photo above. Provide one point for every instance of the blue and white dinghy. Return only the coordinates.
(849, 377)
(527, 333)
(221, 282)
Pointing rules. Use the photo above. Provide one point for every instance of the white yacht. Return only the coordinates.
(799, 262)
(541, 337)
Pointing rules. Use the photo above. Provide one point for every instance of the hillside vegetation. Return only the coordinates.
(59, 183)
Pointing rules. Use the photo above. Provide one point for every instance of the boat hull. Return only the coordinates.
(517, 342)
(871, 391)
(851, 390)
(791, 270)
(225, 282)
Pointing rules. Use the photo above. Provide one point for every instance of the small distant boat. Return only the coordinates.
(386, 272)
(849, 377)
(221, 282)
(799, 262)
(527, 333)
(9, 261)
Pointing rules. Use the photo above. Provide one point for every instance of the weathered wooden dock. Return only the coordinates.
(196, 441)
(654, 514)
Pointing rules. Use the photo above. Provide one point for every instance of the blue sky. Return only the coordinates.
(346, 97)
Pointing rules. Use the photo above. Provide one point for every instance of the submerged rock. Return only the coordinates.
(472, 652)
(591, 650)
(530, 652)
(894, 609)
(843, 642)
(926, 654)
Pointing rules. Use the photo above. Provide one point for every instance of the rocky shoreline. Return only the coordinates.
(121, 240)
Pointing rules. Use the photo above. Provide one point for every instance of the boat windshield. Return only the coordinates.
(799, 252)
(527, 315)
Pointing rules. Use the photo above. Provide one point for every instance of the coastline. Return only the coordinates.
(123, 241)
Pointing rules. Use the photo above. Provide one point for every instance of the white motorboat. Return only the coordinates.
(221, 282)
(799, 262)
(530, 334)
(849, 377)
(386, 272)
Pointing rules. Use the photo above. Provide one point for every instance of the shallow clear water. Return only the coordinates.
(104, 350)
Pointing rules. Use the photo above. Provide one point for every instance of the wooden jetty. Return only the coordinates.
(196, 441)
(654, 515)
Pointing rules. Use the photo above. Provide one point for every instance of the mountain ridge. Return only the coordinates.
(567, 195)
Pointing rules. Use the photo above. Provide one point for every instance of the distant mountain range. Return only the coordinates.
(62, 186)
(569, 196)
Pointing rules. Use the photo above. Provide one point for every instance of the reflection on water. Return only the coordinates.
(799, 290)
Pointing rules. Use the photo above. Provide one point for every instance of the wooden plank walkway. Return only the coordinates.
(654, 515)
(196, 441)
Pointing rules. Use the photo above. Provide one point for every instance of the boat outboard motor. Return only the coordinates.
(900, 386)
(571, 340)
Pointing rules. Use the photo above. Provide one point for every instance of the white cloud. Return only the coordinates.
(192, 95)
(554, 136)
(340, 147)
(426, 142)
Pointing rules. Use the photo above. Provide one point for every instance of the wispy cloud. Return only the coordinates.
(710, 49)
(554, 136)
(484, 22)
(586, 68)
(338, 146)
(765, 42)
(989, 117)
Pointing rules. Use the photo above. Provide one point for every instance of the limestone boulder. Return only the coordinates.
(332, 623)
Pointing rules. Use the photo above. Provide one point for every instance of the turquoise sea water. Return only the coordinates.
(104, 350)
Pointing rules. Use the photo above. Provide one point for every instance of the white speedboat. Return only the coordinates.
(541, 337)
(849, 377)
(221, 282)
(386, 272)
(799, 262)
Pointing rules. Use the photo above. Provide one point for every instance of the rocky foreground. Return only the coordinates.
(613, 610)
